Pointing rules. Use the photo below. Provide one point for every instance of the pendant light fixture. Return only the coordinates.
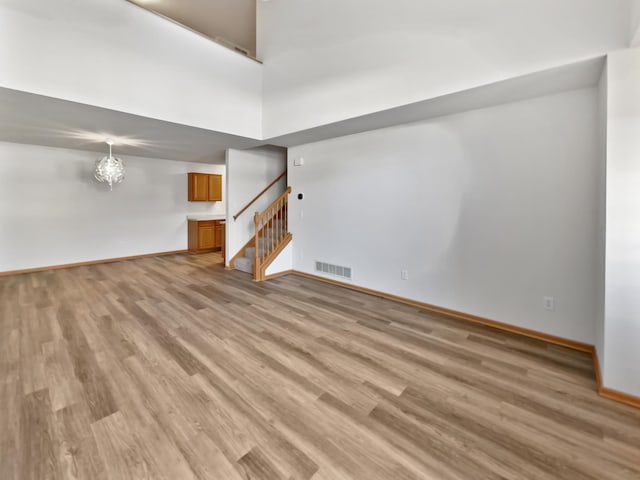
(109, 169)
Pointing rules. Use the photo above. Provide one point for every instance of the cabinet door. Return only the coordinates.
(206, 236)
(215, 188)
(219, 235)
(198, 187)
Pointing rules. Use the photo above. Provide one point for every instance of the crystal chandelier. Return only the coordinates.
(109, 169)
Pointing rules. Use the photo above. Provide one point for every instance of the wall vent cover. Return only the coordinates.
(337, 270)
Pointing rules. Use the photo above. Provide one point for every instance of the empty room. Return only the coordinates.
(336, 240)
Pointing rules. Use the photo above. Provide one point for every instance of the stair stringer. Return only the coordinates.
(241, 252)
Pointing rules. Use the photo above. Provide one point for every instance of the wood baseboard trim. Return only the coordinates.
(596, 368)
(610, 393)
(279, 274)
(206, 250)
(603, 391)
(619, 397)
(565, 342)
(91, 262)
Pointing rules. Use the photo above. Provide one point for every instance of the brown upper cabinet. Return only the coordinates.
(215, 188)
(205, 187)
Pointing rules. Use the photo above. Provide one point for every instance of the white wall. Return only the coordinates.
(116, 55)
(248, 172)
(488, 210)
(282, 263)
(53, 212)
(601, 216)
(622, 297)
(635, 23)
(330, 60)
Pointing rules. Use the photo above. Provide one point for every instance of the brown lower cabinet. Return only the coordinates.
(206, 235)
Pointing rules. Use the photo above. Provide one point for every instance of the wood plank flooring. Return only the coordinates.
(173, 368)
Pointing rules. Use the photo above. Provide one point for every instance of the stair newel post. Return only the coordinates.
(288, 193)
(256, 260)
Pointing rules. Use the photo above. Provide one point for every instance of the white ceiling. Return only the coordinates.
(582, 74)
(35, 119)
(230, 20)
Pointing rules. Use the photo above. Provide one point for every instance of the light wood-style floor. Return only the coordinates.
(172, 368)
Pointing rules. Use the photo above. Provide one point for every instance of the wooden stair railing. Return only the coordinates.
(243, 209)
(272, 233)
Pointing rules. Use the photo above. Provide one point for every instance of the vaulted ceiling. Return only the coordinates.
(35, 119)
(51, 106)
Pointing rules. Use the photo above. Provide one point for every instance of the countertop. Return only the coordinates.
(203, 218)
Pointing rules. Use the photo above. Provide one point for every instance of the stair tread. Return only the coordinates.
(244, 264)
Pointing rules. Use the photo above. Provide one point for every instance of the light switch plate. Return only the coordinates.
(549, 303)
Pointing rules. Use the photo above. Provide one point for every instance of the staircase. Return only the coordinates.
(272, 235)
(267, 243)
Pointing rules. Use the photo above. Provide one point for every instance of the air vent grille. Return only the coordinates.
(337, 270)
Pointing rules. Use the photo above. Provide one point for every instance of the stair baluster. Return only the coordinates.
(272, 234)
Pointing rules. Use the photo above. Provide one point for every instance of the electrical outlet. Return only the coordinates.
(549, 303)
(404, 274)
